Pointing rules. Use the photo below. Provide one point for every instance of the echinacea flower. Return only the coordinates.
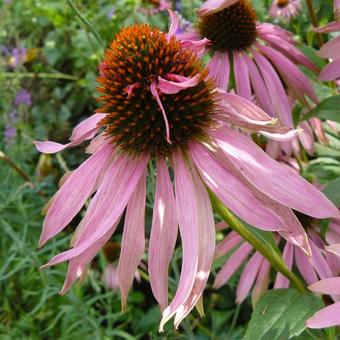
(331, 50)
(262, 57)
(286, 9)
(159, 103)
(255, 276)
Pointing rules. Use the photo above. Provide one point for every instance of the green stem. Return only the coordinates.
(37, 75)
(86, 23)
(268, 252)
(11, 163)
(314, 21)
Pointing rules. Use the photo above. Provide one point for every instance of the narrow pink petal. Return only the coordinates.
(305, 267)
(331, 49)
(326, 286)
(232, 264)
(331, 71)
(307, 138)
(72, 195)
(96, 143)
(278, 97)
(288, 254)
(212, 6)
(241, 76)
(187, 213)
(273, 149)
(282, 137)
(333, 26)
(107, 205)
(154, 92)
(289, 50)
(171, 87)
(174, 22)
(77, 265)
(248, 277)
(268, 28)
(231, 191)
(83, 131)
(326, 317)
(262, 281)
(225, 246)
(319, 262)
(219, 69)
(206, 248)
(318, 129)
(109, 277)
(163, 234)
(133, 240)
(294, 78)
(259, 86)
(270, 177)
(334, 249)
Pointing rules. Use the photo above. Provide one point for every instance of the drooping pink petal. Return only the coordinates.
(241, 76)
(231, 191)
(262, 281)
(294, 78)
(318, 129)
(154, 92)
(305, 267)
(133, 240)
(232, 264)
(307, 138)
(182, 83)
(248, 277)
(282, 137)
(163, 234)
(223, 247)
(219, 69)
(206, 248)
(326, 317)
(287, 255)
(326, 286)
(212, 6)
(270, 177)
(331, 71)
(107, 205)
(289, 50)
(319, 262)
(187, 213)
(259, 86)
(83, 131)
(96, 143)
(174, 22)
(77, 265)
(331, 49)
(278, 97)
(72, 195)
(333, 26)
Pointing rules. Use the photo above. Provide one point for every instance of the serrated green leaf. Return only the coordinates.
(281, 313)
(329, 108)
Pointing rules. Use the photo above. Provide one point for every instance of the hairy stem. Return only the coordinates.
(266, 250)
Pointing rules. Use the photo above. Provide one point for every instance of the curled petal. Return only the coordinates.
(182, 83)
(83, 131)
(174, 23)
(197, 46)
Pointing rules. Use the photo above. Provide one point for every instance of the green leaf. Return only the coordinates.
(332, 191)
(281, 313)
(329, 108)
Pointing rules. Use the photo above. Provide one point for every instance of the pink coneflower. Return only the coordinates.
(159, 103)
(255, 276)
(262, 57)
(286, 9)
(331, 50)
